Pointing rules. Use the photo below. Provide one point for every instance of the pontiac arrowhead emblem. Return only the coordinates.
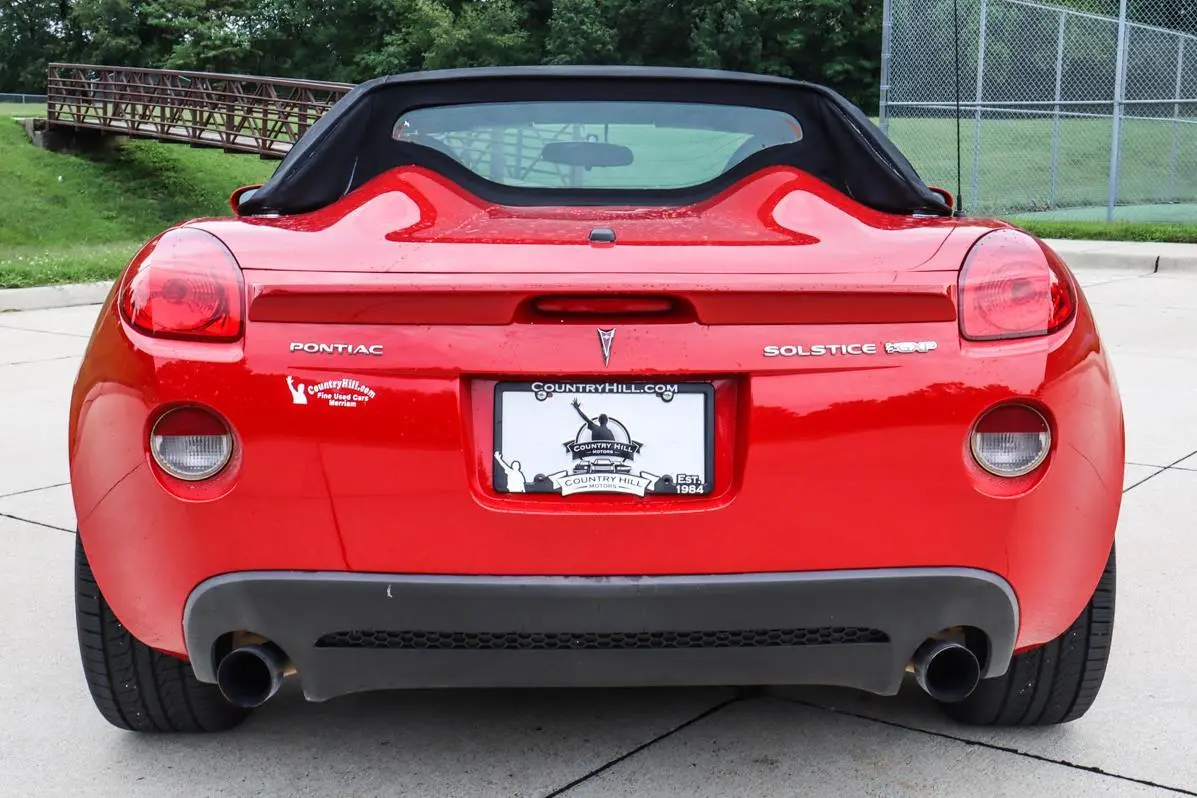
(605, 339)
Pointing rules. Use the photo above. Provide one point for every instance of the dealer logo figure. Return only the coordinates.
(602, 446)
(602, 449)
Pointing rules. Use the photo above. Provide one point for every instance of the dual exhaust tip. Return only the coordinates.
(249, 676)
(947, 671)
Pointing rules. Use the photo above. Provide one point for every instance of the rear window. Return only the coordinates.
(587, 145)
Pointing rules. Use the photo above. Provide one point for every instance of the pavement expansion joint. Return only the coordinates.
(40, 360)
(44, 332)
(706, 713)
(994, 747)
(1174, 466)
(36, 523)
(33, 490)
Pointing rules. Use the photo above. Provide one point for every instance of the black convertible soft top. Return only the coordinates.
(354, 141)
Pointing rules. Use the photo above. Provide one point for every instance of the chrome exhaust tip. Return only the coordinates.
(947, 671)
(249, 676)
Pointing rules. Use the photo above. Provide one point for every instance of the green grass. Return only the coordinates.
(1165, 213)
(22, 109)
(1116, 231)
(67, 218)
(1015, 171)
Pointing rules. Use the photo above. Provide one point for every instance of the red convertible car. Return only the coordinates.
(592, 377)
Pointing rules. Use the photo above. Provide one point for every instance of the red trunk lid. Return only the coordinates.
(414, 222)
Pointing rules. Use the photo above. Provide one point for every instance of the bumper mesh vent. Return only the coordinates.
(412, 640)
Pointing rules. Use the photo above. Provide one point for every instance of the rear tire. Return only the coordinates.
(1056, 683)
(134, 686)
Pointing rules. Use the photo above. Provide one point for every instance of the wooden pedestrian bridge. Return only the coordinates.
(236, 113)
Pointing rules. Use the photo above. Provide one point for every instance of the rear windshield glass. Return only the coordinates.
(627, 145)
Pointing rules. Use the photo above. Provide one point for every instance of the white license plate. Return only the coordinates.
(638, 438)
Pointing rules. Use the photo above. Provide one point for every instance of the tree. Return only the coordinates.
(580, 33)
(33, 32)
(487, 33)
(117, 33)
(726, 34)
(427, 34)
(419, 26)
(832, 41)
(836, 42)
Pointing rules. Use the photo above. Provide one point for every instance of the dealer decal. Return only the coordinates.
(343, 392)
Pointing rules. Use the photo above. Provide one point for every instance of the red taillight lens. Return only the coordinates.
(186, 285)
(1010, 287)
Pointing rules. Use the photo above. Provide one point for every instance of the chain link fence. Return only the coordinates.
(23, 99)
(1085, 110)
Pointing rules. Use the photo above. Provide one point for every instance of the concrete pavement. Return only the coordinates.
(1135, 742)
(1127, 255)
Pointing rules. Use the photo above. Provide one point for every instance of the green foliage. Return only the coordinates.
(834, 41)
(31, 31)
(416, 29)
(113, 32)
(837, 42)
(483, 34)
(579, 33)
(427, 34)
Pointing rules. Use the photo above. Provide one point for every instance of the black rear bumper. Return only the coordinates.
(349, 633)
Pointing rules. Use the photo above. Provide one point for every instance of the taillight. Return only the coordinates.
(1011, 288)
(187, 285)
(1011, 440)
(191, 443)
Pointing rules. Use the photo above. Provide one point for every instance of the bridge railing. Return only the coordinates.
(240, 113)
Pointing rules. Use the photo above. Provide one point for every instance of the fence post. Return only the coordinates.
(1119, 110)
(1180, 71)
(51, 109)
(980, 91)
(1055, 174)
(887, 28)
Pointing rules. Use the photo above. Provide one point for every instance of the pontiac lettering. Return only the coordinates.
(337, 349)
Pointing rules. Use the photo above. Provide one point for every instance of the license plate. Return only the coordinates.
(636, 438)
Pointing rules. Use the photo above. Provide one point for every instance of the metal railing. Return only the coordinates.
(239, 113)
(1082, 108)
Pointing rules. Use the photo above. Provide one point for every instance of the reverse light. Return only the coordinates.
(1011, 287)
(1011, 440)
(191, 443)
(186, 285)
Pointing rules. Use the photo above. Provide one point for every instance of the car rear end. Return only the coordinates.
(773, 437)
